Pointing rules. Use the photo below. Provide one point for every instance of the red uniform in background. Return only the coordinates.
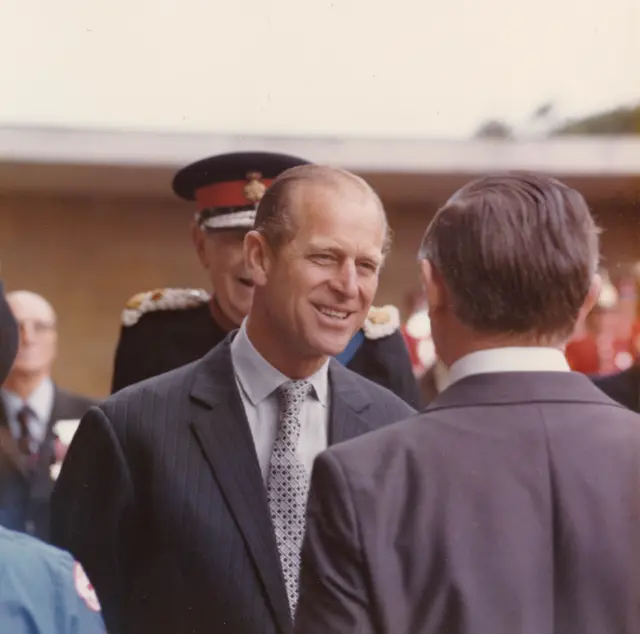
(604, 343)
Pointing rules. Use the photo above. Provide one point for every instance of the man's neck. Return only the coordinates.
(24, 385)
(279, 356)
(467, 345)
(219, 317)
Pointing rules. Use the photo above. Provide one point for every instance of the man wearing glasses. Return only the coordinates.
(30, 406)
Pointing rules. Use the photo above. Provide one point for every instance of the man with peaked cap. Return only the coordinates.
(167, 328)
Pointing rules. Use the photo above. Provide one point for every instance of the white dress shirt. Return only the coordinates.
(511, 359)
(40, 402)
(258, 381)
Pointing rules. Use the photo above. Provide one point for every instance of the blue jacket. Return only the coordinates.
(43, 590)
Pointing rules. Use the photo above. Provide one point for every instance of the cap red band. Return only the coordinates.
(229, 194)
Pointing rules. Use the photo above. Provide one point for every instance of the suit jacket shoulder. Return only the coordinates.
(157, 391)
(460, 412)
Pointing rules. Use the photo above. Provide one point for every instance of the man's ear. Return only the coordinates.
(593, 295)
(258, 257)
(434, 288)
(198, 237)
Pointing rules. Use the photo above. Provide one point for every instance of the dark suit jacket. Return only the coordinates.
(25, 493)
(512, 505)
(623, 387)
(162, 500)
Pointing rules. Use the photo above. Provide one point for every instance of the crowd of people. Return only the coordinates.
(268, 461)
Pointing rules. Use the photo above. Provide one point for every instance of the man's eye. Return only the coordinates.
(322, 258)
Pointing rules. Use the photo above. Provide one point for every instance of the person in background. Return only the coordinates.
(623, 387)
(512, 503)
(30, 406)
(167, 328)
(43, 590)
(431, 373)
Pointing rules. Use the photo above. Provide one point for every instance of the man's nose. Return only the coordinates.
(27, 332)
(346, 280)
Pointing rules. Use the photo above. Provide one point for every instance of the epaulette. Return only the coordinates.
(162, 299)
(381, 322)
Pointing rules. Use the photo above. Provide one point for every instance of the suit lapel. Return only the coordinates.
(46, 457)
(348, 403)
(223, 433)
(56, 410)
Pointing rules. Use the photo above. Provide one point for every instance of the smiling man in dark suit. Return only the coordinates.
(30, 406)
(184, 495)
(512, 504)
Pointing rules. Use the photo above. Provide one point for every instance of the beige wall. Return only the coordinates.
(89, 255)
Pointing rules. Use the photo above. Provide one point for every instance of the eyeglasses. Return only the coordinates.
(37, 326)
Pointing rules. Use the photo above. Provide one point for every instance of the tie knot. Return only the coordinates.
(23, 414)
(293, 393)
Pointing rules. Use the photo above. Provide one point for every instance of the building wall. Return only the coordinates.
(89, 255)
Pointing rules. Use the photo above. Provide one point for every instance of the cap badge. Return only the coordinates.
(254, 190)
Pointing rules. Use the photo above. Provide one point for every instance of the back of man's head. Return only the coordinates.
(517, 252)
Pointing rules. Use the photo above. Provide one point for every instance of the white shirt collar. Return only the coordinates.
(40, 401)
(510, 359)
(259, 379)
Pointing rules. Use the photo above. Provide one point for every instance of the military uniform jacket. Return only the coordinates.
(177, 328)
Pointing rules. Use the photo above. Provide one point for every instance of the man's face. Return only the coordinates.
(221, 254)
(319, 287)
(38, 335)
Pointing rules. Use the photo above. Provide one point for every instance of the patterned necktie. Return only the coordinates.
(287, 486)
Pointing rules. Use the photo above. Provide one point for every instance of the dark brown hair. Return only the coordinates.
(274, 219)
(517, 252)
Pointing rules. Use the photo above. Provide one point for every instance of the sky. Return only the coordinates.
(358, 68)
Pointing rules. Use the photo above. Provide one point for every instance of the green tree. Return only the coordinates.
(625, 120)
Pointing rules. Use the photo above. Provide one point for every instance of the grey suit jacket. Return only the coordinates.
(512, 505)
(161, 499)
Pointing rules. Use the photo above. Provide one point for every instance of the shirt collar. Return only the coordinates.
(40, 401)
(510, 359)
(259, 379)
